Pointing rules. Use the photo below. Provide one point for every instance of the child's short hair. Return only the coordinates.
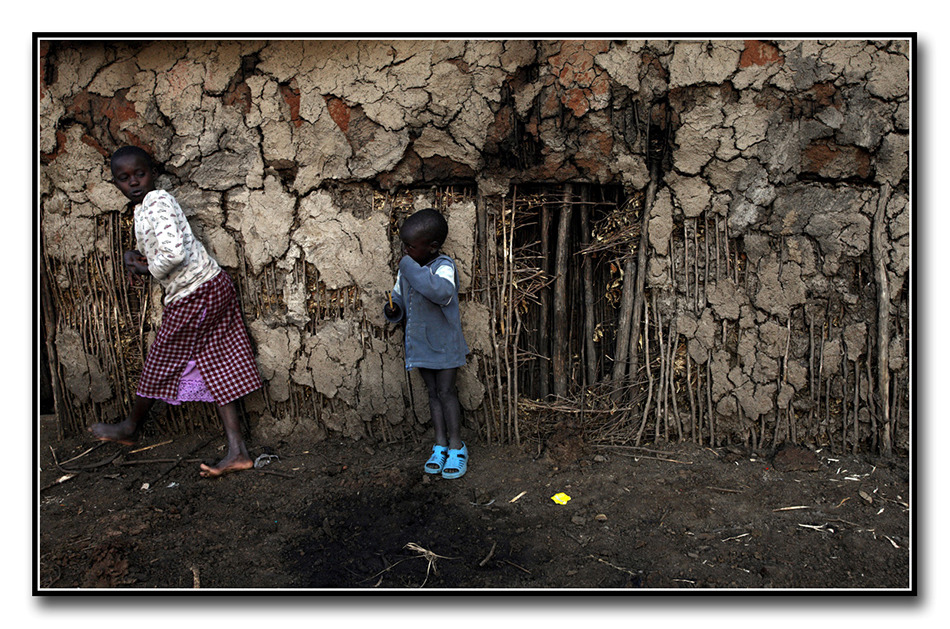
(428, 224)
(130, 151)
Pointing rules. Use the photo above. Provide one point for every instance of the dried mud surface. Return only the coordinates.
(334, 515)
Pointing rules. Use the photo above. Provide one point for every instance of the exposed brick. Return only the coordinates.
(291, 96)
(576, 100)
(827, 159)
(759, 53)
(824, 93)
(91, 141)
(239, 96)
(339, 111)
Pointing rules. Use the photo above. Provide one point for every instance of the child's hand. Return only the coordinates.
(135, 265)
(390, 309)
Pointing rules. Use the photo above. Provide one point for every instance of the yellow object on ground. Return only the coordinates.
(560, 498)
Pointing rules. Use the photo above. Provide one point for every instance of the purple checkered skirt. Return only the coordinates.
(205, 327)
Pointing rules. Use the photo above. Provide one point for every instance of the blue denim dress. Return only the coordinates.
(429, 302)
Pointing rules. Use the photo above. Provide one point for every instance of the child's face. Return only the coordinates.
(419, 248)
(134, 177)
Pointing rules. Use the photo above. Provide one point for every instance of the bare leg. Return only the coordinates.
(237, 457)
(126, 431)
(444, 406)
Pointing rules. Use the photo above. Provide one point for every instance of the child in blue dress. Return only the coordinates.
(426, 297)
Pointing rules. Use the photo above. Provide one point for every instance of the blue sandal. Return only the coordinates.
(456, 463)
(437, 461)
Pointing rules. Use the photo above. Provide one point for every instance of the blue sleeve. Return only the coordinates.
(436, 289)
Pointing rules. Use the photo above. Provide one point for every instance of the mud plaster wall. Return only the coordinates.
(296, 159)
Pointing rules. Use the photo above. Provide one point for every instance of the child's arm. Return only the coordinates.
(436, 288)
(170, 248)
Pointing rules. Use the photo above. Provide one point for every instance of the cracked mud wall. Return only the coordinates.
(296, 160)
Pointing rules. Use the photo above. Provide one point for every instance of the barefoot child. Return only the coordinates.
(202, 351)
(426, 296)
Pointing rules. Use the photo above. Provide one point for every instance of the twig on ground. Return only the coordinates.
(511, 563)
(92, 466)
(78, 456)
(151, 446)
(56, 462)
(728, 491)
(429, 556)
(630, 572)
(149, 461)
(274, 473)
(653, 458)
(178, 461)
(855, 524)
(622, 447)
(729, 539)
(489, 555)
(58, 481)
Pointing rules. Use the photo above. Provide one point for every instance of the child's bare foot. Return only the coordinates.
(123, 432)
(230, 463)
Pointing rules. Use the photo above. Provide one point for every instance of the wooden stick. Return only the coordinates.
(653, 458)
(625, 447)
(879, 251)
(516, 566)
(489, 556)
(178, 461)
(561, 351)
(673, 340)
(59, 481)
(646, 363)
(696, 262)
(639, 305)
(590, 347)
(686, 264)
(151, 446)
(504, 301)
(78, 456)
(493, 308)
(692, 400)
(709, 405)
(661, 400)
(544, 326)
(151, 461)
(273, 473)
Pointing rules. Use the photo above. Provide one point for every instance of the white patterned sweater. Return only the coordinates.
(175, 257)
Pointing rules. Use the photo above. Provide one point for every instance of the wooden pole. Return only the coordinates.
(590, 347)
(561, 353)
(879, 250)
(544, 326)
(640, 285)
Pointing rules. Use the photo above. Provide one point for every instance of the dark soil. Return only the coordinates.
(334, 515)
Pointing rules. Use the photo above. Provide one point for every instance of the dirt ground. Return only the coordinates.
(335, 515)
